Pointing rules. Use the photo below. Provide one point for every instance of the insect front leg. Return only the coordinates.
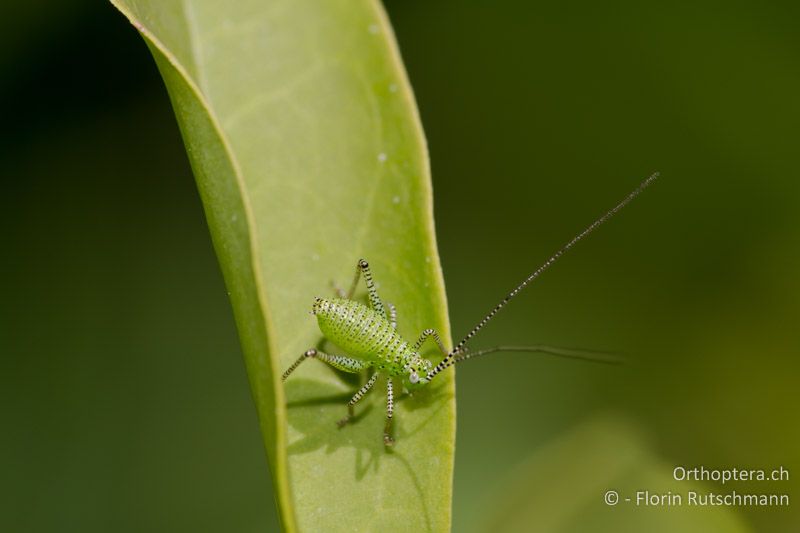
(356, 398)
(430, 333)
(346, 364)
(392, 314)
(374, 300)
(387, 430)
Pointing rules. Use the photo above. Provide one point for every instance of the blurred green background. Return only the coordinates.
(124, 399)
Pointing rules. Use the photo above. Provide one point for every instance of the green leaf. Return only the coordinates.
(562, 486)
(308, 152)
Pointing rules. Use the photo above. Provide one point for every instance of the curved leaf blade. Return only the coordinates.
(308, 153)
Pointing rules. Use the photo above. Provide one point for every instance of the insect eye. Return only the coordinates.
(413, 377)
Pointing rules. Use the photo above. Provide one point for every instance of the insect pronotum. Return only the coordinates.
(368, 334)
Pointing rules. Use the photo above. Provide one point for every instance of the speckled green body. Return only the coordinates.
(363, 333)
(368, 334)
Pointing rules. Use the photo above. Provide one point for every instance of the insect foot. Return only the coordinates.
(308, 353)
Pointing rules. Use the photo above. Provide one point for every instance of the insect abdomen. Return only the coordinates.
(361, 332)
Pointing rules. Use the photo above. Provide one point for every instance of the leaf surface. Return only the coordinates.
(308, 153)
(563, 487)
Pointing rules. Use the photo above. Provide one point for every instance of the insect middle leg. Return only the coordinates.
(387, 429)
(356, 398)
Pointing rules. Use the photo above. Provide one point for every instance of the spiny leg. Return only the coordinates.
(346, 364)
(308, 353)
(392, 314)
(356, 398)
(387, 430)
(363, 268)
(430, 333)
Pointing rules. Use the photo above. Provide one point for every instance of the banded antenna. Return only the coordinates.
(455, 355)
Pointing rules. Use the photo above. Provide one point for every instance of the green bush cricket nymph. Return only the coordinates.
(368, 334)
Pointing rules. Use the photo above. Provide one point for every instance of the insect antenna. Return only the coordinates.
(593, 356)
(459, 348)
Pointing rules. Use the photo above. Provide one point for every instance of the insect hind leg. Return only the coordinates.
(362, 268)
(346, 364)
(338, 291)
